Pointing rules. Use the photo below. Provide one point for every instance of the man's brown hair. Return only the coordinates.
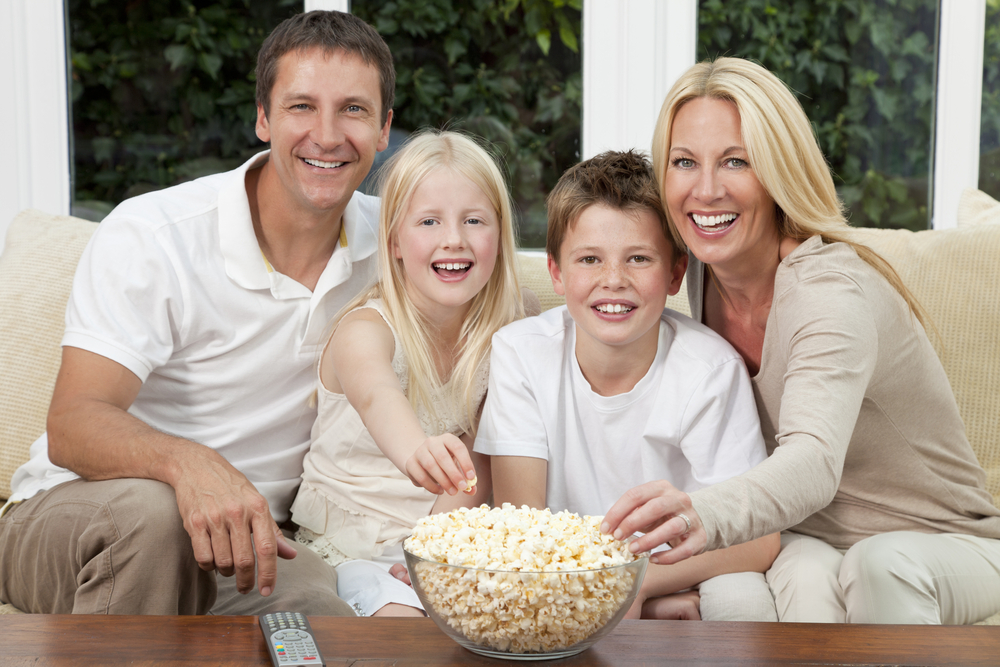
(620, 180)
(330, 31)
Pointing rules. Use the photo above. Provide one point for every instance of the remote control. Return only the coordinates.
(289, 639)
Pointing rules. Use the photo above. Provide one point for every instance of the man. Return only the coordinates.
(181, 414)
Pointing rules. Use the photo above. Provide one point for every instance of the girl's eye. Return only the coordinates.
(683, 162)
(473, 221)
(428, 222)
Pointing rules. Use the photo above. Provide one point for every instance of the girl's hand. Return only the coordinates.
(657, 509)
(442, 465)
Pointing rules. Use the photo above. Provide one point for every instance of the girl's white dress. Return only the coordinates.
(354, 507)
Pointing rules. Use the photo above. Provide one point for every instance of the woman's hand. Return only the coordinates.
(442, 465)
(658, 510)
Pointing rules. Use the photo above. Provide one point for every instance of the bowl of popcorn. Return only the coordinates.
(519, 583)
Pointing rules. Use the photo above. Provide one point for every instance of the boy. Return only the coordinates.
(612, 390)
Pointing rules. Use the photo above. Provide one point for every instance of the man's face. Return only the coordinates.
(324, 127)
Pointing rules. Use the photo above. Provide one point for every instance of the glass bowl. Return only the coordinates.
(525, 615)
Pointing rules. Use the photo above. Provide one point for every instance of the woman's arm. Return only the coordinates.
(359, 362)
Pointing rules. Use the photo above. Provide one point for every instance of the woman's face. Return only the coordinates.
(721, 210)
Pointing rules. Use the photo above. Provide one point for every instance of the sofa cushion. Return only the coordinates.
(36, 273)
(955, 275)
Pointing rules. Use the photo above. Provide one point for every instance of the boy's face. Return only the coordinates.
(616, 270)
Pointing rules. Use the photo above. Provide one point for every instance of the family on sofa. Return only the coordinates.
(269, 376)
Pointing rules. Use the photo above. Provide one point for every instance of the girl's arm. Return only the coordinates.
(482, 490)
(358, 362)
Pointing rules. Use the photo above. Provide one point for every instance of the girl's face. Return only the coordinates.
(448, 240)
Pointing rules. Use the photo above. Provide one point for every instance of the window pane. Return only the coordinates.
(864, 72)
(989, 161)
(508, 72)
(162, 92)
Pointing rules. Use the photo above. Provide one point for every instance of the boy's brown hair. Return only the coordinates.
(621, 180)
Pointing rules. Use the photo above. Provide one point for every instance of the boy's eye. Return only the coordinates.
(589, 259)
(639, 259)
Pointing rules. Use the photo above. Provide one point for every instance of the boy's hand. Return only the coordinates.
(658, 510)
(442, 465)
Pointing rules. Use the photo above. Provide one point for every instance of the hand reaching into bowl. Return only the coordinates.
(664, 514)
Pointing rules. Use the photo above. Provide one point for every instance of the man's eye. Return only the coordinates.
(354, 108)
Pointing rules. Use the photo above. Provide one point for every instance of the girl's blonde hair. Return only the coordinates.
(496, 305)
(783, 152)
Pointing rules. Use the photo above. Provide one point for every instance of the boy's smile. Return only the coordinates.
(616, 270)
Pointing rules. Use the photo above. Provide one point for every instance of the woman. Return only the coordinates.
(869, 465)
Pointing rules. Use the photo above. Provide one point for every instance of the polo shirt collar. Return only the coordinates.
(245, 263)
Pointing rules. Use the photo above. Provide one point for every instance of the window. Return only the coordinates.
(865, 75)
(989, 136)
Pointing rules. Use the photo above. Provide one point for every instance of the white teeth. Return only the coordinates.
(613, 308)
(711, 222)
(320, 163)
(453, 266)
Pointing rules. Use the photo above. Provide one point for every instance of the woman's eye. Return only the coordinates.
(683, 163)
(736, 163)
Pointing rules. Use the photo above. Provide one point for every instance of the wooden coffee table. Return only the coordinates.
(148, 641)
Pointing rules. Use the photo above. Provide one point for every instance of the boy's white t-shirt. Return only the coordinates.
(691, 420)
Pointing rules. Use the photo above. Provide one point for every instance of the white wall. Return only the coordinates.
(632, 53)
(34, 166)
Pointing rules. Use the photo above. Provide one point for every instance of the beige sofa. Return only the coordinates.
(954, 273)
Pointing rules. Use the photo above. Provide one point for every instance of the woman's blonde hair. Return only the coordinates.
(496, 305)
(783, 152)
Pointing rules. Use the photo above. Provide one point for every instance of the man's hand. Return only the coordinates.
(442, 464)
(656, 509)
(229, 522)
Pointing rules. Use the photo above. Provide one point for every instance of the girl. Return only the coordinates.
(403, 376)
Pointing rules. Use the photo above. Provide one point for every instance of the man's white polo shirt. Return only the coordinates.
(173, 286)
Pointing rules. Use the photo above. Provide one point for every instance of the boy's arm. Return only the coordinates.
(519, 480)
(359, 360)
(755, 556)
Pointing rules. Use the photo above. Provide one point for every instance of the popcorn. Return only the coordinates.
(537, 583)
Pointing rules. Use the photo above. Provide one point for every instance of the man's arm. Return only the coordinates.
(91, 433)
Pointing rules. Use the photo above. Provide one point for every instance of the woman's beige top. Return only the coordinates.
(861, 426)
(351, 494)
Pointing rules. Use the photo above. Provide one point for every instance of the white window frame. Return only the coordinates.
(632, 53)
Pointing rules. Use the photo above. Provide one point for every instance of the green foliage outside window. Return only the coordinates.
(162, 91)
(989, 164)
(507, 70)
(864, 72)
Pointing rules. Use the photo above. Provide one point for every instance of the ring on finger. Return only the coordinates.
(687, 521)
